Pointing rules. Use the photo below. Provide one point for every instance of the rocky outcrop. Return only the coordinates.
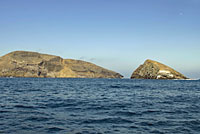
(33, 64)
(155, 70)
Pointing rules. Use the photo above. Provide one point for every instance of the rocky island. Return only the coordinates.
(33, 64)
(155, 70)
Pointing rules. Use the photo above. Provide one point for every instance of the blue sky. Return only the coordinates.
(116, 34)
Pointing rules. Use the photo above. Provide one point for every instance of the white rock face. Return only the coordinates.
(159, 76)
(164, 73)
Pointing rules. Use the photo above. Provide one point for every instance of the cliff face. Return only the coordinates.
(155, 70)
(33, 64)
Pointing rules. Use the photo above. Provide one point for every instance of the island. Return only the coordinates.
(34, 64)
(155, 70)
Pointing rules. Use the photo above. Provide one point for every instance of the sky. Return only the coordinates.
(116, 34)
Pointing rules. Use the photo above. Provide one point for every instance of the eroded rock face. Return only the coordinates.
(155, 70)
(33, 64)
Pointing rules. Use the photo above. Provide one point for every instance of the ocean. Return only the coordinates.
(99, 106)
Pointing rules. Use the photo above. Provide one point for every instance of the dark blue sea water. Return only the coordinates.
(99, 106)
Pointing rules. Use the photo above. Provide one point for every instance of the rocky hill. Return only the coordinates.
(33, 64)
(155, 70)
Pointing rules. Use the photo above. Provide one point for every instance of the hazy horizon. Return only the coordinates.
(115, 34)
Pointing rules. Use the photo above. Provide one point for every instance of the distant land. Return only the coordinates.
(33, 64)
(155, 70)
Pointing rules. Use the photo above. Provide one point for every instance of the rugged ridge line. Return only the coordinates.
(155, 70)
(33, 64)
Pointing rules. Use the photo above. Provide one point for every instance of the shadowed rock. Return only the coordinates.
(33, 64)
(155, 70)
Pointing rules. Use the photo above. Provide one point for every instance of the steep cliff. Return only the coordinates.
(33, 64)
(155, 70)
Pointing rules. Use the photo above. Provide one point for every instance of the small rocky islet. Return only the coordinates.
(155, 70)
(34, 64)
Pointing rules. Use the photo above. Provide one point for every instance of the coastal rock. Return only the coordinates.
(155, 70)
(33, 64)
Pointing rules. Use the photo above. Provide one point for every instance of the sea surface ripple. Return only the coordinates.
(99, 106)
